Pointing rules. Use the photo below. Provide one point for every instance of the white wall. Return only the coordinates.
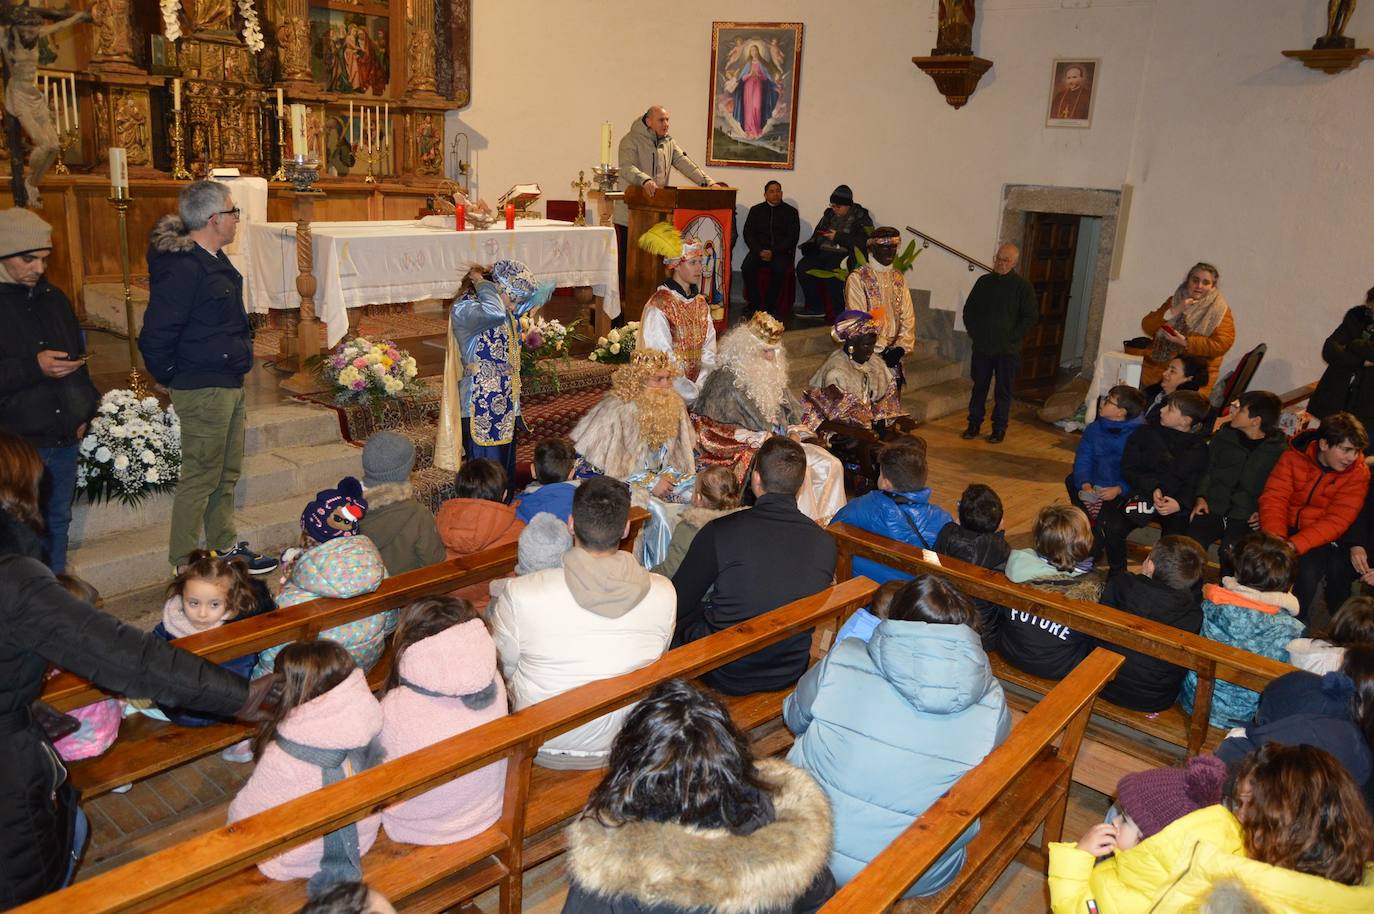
(1237, 155)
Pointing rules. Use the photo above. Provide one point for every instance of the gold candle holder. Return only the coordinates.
(65, 140)
(119, 198)
(179, 172)
(280, 174)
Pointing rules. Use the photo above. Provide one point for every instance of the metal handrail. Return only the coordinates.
(927, 241)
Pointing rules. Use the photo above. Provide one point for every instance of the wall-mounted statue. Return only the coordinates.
(20, 28)
(955, 35)
(1338, 13)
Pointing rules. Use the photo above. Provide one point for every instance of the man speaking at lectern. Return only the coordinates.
(648, 156)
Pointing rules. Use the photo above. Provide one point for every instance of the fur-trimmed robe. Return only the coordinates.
(646, 867)
(724, 401)
(608, 438)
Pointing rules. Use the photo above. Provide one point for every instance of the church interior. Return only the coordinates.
(376, 151)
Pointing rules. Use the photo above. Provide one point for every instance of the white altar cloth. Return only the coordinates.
(374, 263)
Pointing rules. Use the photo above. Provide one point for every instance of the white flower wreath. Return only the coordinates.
(252, 30)
(171, 22)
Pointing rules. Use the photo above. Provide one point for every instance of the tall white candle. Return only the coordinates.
(281, 112)
(76, 120)
(386, 123)
(61, 109)
(606, 143)
(363, 126)
(352, 130)
(176, 94)
(298, 129)
(119, 170)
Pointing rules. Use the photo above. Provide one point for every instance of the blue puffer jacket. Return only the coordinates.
(1098, 458)
(881, 513)
(1228, 617)
(887, 727)
(553, 498)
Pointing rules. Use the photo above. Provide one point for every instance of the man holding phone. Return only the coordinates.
(46, 394)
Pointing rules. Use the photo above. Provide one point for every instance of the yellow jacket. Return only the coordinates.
(1173, 872)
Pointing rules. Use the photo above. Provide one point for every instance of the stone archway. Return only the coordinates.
(1020, 199)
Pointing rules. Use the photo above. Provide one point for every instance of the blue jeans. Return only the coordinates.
(59, 487)
(982, 368)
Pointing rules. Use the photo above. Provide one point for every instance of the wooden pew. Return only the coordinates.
(1151, 739)
(147, 746)
(214, 872)
(1023, 783)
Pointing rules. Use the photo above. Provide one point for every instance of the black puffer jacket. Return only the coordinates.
(18, 538)
(1347, 384)
(1144, 683)
(195, 333)
(986, 550)
(40, 623)
(44, 411)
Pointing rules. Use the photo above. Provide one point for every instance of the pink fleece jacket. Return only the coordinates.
(345, 717)
(459, 661)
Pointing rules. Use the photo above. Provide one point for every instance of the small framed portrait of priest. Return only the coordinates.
(1073, 85)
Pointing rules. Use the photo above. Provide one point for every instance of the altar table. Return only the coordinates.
(388, 262)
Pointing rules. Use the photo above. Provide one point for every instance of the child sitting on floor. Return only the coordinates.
(443, 681)
(1096, 475)
(1297, 835)
(715, 494)
(543, 543)
(400, 527)
(1165, 591)
(552, 489)
(325, 728)
(210, 591)
(1061, 562)
(977, 539)
(1352, 624)
(1253, 611)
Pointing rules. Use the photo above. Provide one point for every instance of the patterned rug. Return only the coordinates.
(267, 338)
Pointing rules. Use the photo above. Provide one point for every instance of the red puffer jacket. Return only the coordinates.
(1315, 501)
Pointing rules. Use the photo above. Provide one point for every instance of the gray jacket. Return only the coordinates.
(644, 156)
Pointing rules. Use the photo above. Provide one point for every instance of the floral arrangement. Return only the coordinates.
(543, 339)
(615, 347)
(132, 449)
(252, 30)
(363, 371)
(171, 21)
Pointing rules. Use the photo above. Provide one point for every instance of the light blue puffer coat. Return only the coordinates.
(889, 725)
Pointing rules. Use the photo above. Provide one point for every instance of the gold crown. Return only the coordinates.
(629, 378)
(765, 327)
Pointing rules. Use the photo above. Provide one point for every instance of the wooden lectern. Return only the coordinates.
(680, 206)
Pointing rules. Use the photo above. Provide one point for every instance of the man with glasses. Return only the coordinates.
(196, 342)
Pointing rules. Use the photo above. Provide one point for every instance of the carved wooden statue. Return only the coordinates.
(1338, 13)
(955, 35)
(20, 30)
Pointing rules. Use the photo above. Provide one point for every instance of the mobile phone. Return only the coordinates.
(77, 357)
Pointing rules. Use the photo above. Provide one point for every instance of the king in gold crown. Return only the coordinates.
(765, 327)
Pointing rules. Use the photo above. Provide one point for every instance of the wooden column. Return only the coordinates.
(420, 52)
(308, 326)
(293, 34)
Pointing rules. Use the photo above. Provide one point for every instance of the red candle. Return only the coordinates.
(460, 221)
(510, 215)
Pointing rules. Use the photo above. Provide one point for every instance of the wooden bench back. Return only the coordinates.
(169, 874)
(1064, 710)
(1211, 660)
(305, 621)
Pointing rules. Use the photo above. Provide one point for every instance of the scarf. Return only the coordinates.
(342, 861)
(1199, 319)
(475, 701)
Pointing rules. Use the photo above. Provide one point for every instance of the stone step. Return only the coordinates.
(289, 425)
(937, 400)
(921, 371)
(135, 559)
(813, 340)
(282, 474)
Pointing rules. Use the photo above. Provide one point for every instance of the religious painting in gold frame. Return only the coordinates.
(350, 47)
(752, 113)
(1073, 89)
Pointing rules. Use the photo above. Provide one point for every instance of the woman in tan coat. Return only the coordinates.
(1195, 320)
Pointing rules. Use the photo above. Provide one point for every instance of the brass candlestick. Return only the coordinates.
(65, 140)
(370, 153)
(179, 172)
(119, 197)
(581, 185)
(280, 174)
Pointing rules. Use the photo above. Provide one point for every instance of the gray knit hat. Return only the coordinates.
(23, 230)
(387, 457)
(542, 543)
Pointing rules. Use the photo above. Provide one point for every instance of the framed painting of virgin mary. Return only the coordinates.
(755, 68)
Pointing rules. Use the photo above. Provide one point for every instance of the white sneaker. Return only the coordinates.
(240, 752)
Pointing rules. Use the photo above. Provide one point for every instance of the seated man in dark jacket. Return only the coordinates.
(196, 341)
(1348, 382)
(46, 394)
(1165, 591)
(1161, 466)
(751, 562)
(770, 232)
(843, 228)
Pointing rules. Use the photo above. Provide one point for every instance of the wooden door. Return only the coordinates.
(1047, 261)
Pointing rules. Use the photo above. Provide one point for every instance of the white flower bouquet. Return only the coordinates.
(132, 449)
(362, 371)
(615, 347)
